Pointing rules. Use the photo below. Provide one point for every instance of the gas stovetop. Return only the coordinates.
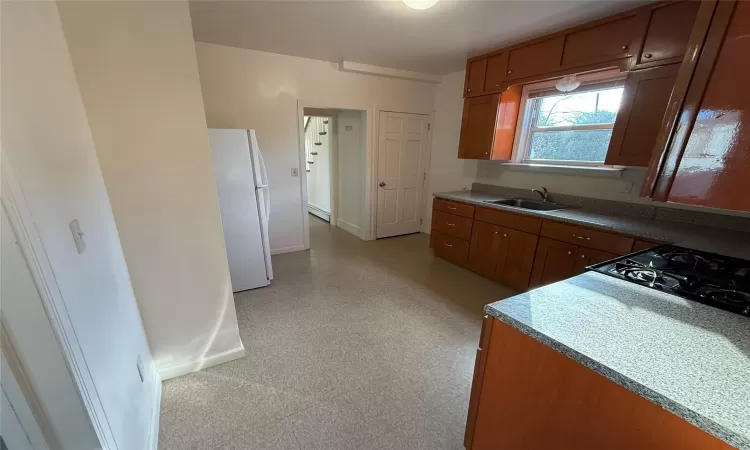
(716, 280)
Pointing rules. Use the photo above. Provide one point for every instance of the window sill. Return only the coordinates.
(591, 171)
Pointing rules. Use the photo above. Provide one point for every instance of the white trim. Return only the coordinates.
(320, 212)
(153, 439)
(167, 373)
(295, 248)
(348, 66)
(348, 226)
(33, 251)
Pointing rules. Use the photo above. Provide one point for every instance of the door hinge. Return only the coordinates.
(424, 176)
(420, 221)
(429, 125)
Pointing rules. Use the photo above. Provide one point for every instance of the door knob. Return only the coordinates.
(382, 184)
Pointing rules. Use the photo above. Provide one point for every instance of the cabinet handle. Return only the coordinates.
(448, 245)
(468, 90)
(583, 256)
(451, 207)
(497, 85)
(505, 235)
(570, 253)
(510, 72)
(450, 224)
(486, 153)
(624, 47)
(581, 237)
(495, 232)
(648, 55)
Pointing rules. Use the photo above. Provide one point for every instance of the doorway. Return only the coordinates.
(402, 154)
(334, 165)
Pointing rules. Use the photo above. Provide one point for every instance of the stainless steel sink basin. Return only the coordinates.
(527, 204)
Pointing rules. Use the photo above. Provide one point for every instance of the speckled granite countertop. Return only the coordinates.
(656, 230)
(689, 358)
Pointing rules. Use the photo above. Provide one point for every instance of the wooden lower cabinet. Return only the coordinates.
(449, 247)
(555, 261)
(588, 256)
(503, 254)
(529, 397)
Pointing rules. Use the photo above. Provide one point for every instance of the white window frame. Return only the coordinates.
(522, 140)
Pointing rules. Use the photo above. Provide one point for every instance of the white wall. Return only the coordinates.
(47, 141)
(350, 133)
(252, 89)
(446, 171)
(136, 65)
(319, 177)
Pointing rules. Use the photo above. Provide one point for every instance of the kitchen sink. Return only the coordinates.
(527, 204)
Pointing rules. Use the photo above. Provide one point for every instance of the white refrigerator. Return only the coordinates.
(244, 204)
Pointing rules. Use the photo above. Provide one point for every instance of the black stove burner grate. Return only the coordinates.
(716, 280)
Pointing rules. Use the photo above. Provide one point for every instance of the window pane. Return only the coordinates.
(585, 108)
(579, 145)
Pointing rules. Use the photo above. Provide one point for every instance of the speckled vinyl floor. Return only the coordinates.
(355, 345)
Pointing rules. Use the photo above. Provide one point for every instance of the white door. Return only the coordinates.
(402, 147)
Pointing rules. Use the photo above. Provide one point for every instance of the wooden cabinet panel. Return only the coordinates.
(497, 66)
(478, 127)
(515, 258)
(668, 28)
(554, 261)
(460, 209)
(642, 108)
(451, 248)
(452, 224)
(600, 240)
(713, 167)
(478, 378)
(536, 58)
(589, 256)
(509, 220)
(532, 397)
(639, 245)
(486, 242)
(475, 73)
(603, 42)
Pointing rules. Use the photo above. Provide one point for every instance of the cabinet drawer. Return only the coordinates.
(450, 247)
(506, 219)
(459, 209)
(607, 242)
(452, 224)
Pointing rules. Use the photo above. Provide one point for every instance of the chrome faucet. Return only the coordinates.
(544, 194)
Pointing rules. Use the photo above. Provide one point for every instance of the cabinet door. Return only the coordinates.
(554, 261)
(505, 126)
(714, 167)
(478, 127)
(533, 59)
(497, 65)
(642, 108)
(668, 28)
(475, 72)
(589, 256)
(604, 42)
(486, 242)
(517, 260)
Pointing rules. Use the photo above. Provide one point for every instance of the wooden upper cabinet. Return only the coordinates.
(475, 73)
(602, 42)
(642, 108)
(489, 125)
(497, 66)
(667, 30)
(536, 58)
(554, 261)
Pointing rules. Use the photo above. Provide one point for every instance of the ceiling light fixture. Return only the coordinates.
(420, 4)
(567, 84)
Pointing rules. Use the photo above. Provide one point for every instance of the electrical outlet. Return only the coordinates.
(295, 172)
(627, 187)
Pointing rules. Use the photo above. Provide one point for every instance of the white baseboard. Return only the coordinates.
(320, 212)
(167, 373)
(153, 439)
(347, 226)
(296, 248)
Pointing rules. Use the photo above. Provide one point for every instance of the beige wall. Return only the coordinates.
(136, 67)
(252, 89)
(446, 171)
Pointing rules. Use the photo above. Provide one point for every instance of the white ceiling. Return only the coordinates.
(386, 32)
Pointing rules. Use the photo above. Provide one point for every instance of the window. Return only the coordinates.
(573, 128)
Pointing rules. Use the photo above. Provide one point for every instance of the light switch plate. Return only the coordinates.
(75, 228)
(295, 172)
